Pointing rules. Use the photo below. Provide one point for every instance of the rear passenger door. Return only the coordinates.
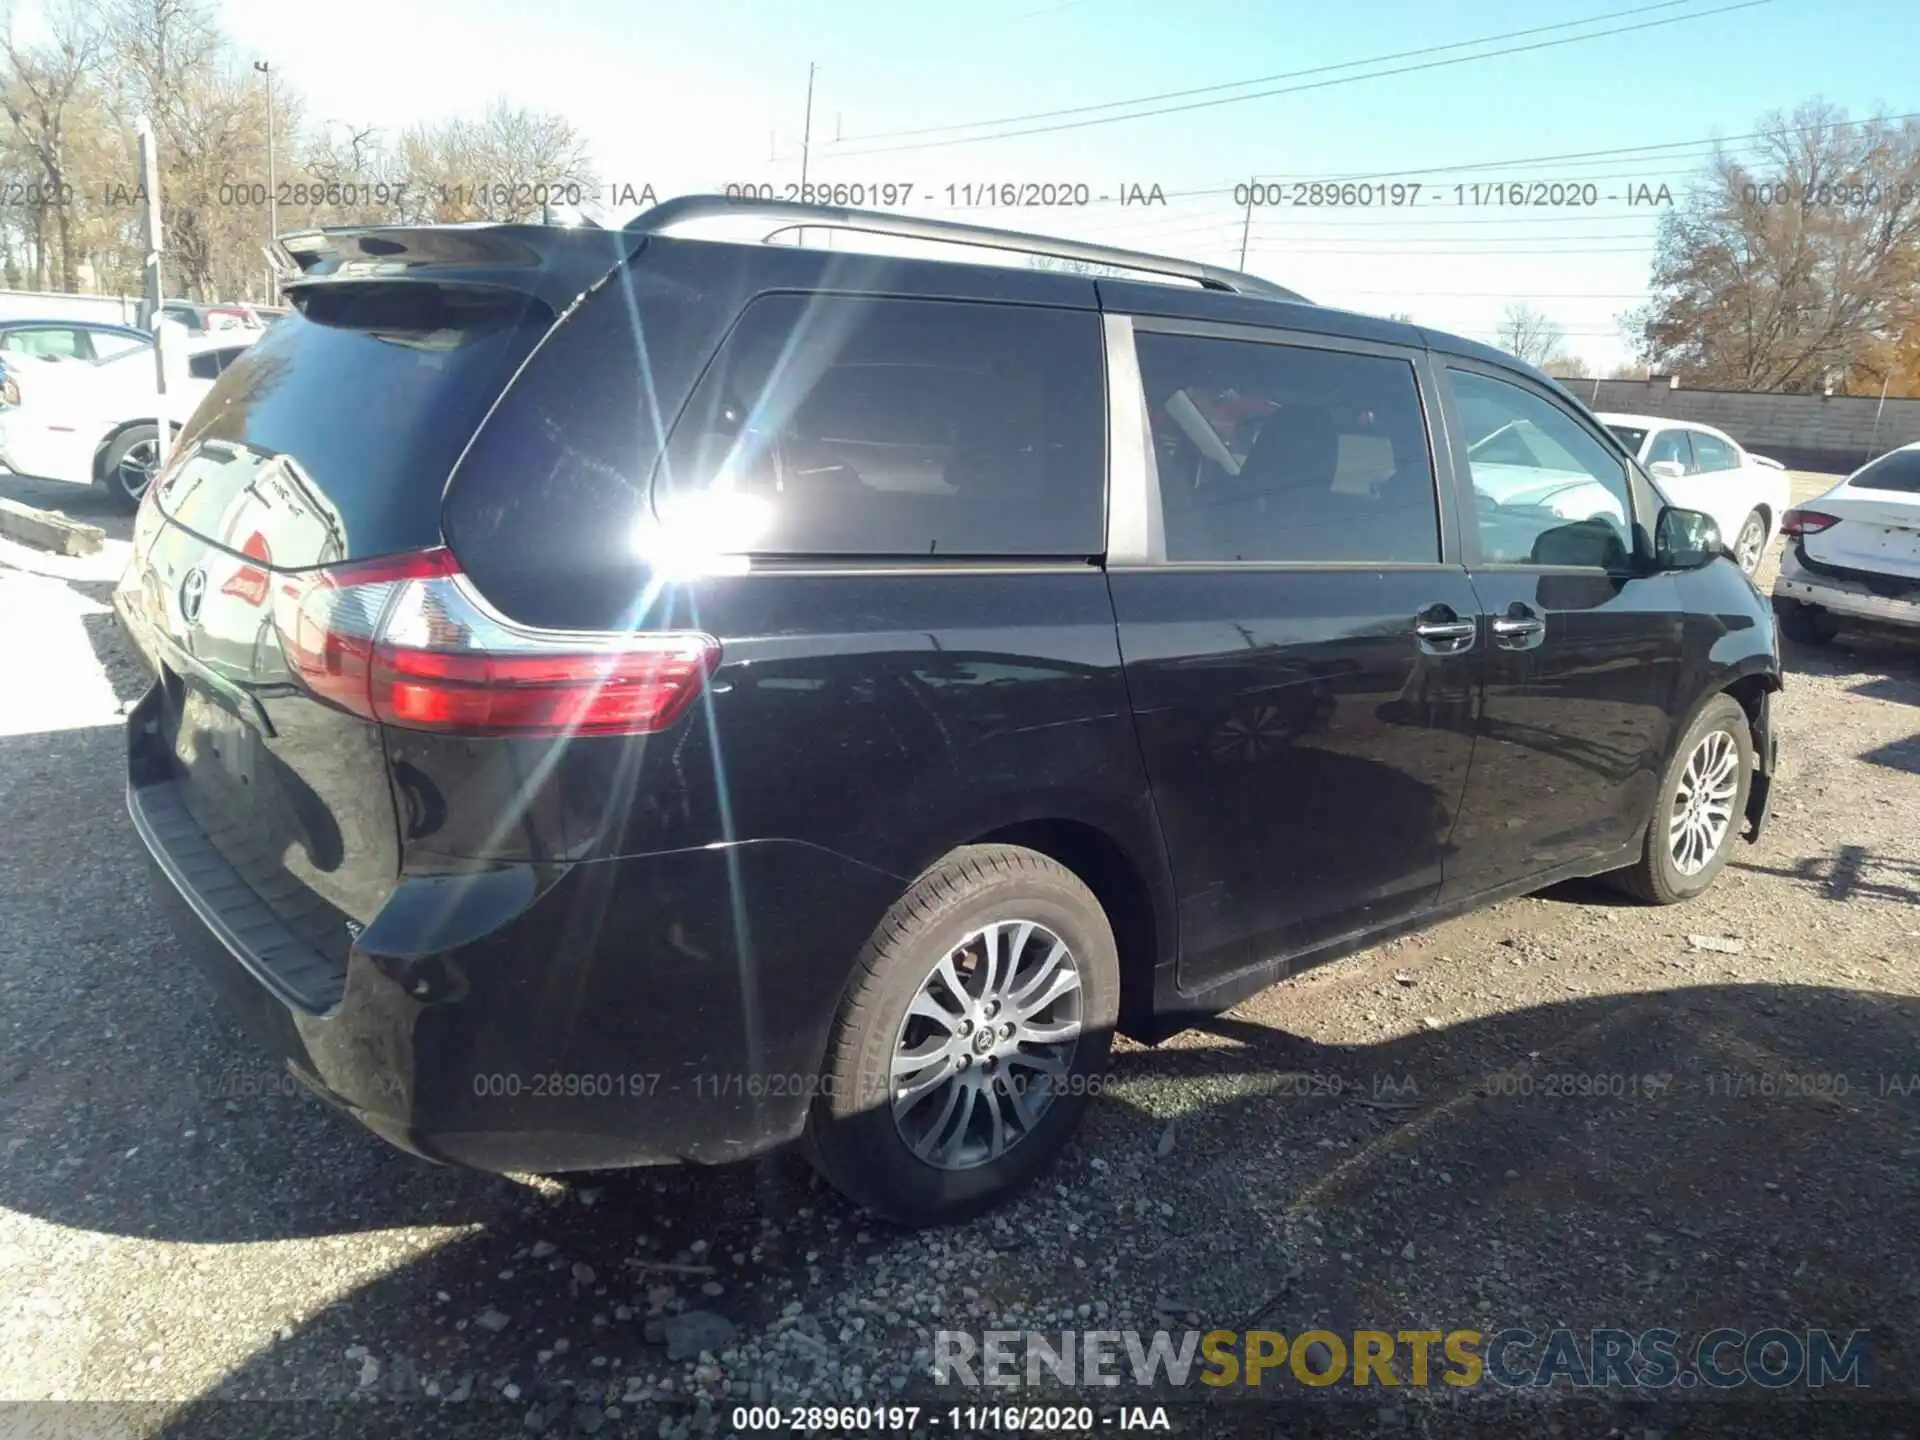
(1299, 641)
(1582, 649)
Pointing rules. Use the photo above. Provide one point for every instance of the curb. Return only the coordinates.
(49, 530)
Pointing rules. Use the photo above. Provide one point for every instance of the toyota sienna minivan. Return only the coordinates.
(631, 696)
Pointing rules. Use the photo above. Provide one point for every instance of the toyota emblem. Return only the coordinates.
(193, 590)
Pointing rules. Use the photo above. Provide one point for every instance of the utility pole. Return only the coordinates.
(273, 202)
(806, 133)
(150, 180)
(1873, 441)
(1246, 222)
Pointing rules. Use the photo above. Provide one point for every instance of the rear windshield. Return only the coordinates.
(366, 399)
(1899, 472)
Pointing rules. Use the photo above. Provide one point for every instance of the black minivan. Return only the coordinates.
(625, 696)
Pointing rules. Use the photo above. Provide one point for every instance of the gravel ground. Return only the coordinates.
(1370, 1146)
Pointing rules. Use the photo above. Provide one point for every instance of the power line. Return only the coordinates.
(1710, 141)
(1489, 254)
(1260, 79)
(1315, 85)
(1419, 293)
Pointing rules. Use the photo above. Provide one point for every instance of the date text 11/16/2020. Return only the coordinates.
(296, 195)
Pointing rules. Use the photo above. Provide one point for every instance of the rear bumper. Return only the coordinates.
(1800, 585)
(592, 1015)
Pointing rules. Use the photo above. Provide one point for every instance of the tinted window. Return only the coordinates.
(205, 365)
(412, 369)
(1629, 437)
(1671, 445)
(1279, 452)
(1546, 490)
(1712, 453)
(841, 426)
(1899, 472)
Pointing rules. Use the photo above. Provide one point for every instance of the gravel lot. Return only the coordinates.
(181, 1234)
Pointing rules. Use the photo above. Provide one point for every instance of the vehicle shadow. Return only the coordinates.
(1737, 1155)
(1723, 1155)
(1851, 871)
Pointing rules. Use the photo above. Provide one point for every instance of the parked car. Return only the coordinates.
(1706, 469)
(1854, 552)
(713, 696)
(56, 339)
(94, 422)
(203, 319)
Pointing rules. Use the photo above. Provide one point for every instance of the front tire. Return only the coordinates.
(129, 464)
(970, 1037)
(1699, 807)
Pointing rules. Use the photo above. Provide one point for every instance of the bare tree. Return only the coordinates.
(71, 100)
(1525, 332)
(505, 166)
(1565, 366)
(45, 88)
(1800, 266)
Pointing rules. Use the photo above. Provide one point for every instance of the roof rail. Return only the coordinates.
(790, 215)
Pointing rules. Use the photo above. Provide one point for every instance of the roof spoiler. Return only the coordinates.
(555, 264)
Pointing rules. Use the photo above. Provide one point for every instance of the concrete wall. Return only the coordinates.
(1835, 434)
(42, 305)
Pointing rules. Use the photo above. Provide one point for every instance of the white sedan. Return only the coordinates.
(1700, 468)
(93, 422)
(1854, 552)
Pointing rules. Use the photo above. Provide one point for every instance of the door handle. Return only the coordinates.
(1519, 628)
(1438, 636)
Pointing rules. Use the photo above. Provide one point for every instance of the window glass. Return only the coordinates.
(107, 344)
(1281, 452)
(1898, 472)
(1671, 445)
(1628, 436)
(1546, 491)
(1712, 453)
(415, 366)
(47, 344)
(834, 425)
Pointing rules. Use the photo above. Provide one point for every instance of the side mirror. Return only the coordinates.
(1666, 470)
(1686, 539)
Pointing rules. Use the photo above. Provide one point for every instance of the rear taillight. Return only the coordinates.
(1807, 522)
(401, 640)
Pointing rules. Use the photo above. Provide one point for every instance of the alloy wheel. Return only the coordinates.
(135, 471)
(986, 1045)
(1703, 802)
(1753, 540)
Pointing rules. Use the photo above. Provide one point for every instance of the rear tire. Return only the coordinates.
(1806, 624)
(1680, 858)
(994, 917)
(126, 470)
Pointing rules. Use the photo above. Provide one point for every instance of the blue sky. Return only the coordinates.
(688, 96)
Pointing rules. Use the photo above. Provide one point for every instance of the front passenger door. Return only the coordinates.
(1582, 653)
